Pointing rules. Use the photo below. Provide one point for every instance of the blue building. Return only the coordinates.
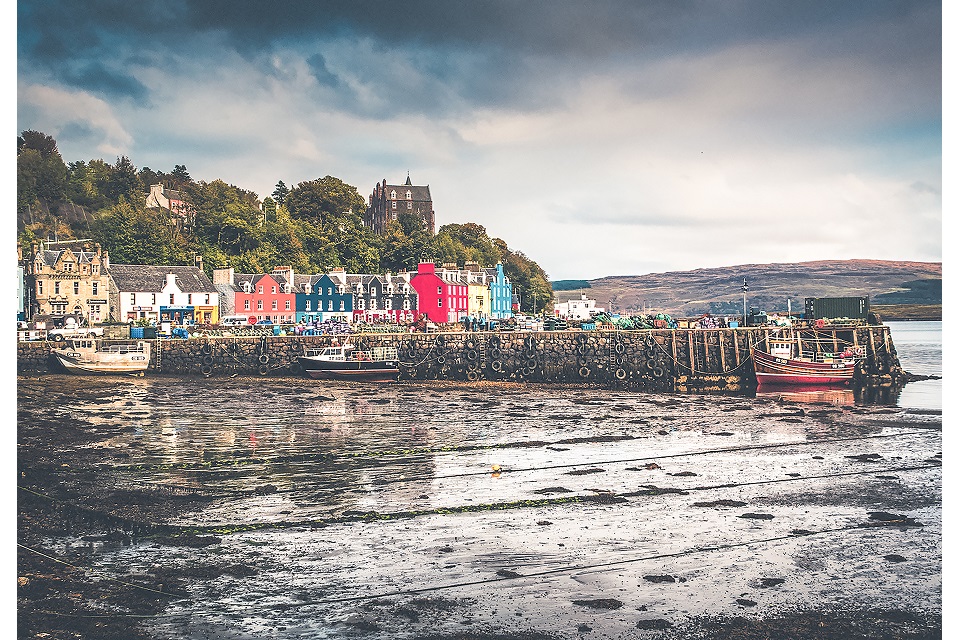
(324, 297)
(501, 293)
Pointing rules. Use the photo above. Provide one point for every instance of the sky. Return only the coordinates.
(601, 138)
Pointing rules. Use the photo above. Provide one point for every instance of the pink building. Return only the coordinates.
(441, 296)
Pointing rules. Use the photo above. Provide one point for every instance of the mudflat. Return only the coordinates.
(283, 508)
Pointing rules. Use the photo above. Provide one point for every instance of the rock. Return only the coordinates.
(661, 578)
(743, 602)
(600, 603)
(771, 582)
(720, 503)
(895, 557)
(756, 516)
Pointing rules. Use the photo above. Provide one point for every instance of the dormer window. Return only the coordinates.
(409, 195)
(393, 195)
(340, 290)
(68, 266)
(246, 287)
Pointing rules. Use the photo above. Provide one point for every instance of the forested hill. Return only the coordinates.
(769, 286)
(314, 226)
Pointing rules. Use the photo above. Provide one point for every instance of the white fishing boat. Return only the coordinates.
(344, 362)
(94, 356)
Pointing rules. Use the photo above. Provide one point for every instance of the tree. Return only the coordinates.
(280, 193)
(180, 175)
(406, 243)
(124, 182)
(323, 200)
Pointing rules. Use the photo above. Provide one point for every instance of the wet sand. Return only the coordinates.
(251, 508)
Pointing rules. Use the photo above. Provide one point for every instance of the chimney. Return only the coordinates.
(223, 276)
(105, 260)
(198, 261)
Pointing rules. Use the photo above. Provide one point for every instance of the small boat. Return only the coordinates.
(786, 364)
(94, 356)
(345, 362)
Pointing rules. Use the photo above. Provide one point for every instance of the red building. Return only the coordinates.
(267, 296)
(441, 296)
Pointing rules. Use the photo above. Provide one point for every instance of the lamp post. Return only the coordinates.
(744, 302)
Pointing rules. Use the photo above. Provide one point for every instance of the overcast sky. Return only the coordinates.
(599, 138)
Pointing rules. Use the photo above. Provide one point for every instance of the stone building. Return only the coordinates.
(66, 278)
(390, 200)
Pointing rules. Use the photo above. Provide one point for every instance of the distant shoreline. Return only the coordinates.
(908, 311)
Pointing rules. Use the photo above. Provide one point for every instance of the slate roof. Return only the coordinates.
(50, 256)
(151, 278)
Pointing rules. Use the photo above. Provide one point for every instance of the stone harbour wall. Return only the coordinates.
(682, 360)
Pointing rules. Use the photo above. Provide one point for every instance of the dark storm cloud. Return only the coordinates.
(487, 50)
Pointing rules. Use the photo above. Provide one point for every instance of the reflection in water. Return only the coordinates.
(839, 396)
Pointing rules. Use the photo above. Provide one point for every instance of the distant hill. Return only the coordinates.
(769, 286)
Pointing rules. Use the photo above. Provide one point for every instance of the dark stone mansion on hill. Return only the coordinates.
(390, 200)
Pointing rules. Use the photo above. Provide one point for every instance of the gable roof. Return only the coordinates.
(152, 278)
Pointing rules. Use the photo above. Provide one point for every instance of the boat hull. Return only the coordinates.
(772, 370)
(117, 366)
(375, 371)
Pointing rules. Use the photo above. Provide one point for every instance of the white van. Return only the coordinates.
(234, 321)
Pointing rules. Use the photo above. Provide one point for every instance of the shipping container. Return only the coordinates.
(833, 308)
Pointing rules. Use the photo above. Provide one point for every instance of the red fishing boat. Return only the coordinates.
(785, 363)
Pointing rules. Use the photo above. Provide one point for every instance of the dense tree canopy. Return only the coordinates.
(313, 227)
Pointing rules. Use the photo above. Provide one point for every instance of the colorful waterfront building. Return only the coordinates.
(441, 295)
(163, 293)
(501, 292)
(261, 297)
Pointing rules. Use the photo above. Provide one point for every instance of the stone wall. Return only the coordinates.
(702, 360)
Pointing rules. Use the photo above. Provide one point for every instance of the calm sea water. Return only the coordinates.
(920, 349)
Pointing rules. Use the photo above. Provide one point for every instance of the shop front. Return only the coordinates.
(177, 315)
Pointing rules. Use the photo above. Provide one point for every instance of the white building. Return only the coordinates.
(163, 293)
(581, 309)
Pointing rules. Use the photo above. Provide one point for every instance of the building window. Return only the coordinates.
(373, 305)
(40, 287)
(260, 289)
(246, 305)
(273, 305)
(409, 205)
(393, 204)
(393, 196)
(341, 305)
(329, 291)
(96, 269)
(259, 305)
(389, 304)
(68, 266)
(286, 305)
(95, 286)
(439, 291)
(373, 291)
(189, 298)
(56, 288)
(273, 289)
(409, 195)
(76, 288)
(207, 299)
(133, 298)
(360, 304)
(330, 305)
(171, 299)
(440, 303)
(406, 304)
(153, 298)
